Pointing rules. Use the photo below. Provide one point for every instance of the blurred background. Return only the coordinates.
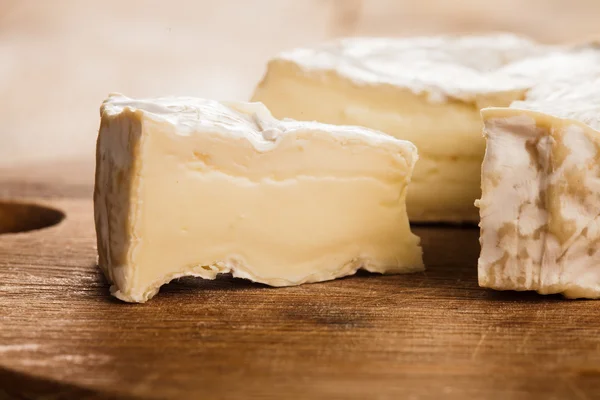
(60, 58)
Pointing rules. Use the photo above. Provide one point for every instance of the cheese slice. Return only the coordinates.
(428, 90)
(187, 186)
(540, 204)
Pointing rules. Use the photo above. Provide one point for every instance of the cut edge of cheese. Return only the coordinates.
(540, 223)
(391, 110)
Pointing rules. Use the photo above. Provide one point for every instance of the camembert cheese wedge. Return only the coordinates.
(428, 90)
(540, 206)
(187, 186)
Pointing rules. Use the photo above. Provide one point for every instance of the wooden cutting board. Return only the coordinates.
(423, 336)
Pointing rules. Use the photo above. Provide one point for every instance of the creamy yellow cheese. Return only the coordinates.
(540, 204)
(428, 90)
(195, 187)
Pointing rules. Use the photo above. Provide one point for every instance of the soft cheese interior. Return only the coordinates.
(425, 90)
(540, 206)
(194, 187)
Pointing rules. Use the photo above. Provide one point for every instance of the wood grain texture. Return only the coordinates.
(429, 335)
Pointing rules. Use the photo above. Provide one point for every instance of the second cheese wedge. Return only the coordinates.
(540, 207)
(194, 187)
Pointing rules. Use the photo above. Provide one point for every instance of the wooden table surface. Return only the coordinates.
(429, 335)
